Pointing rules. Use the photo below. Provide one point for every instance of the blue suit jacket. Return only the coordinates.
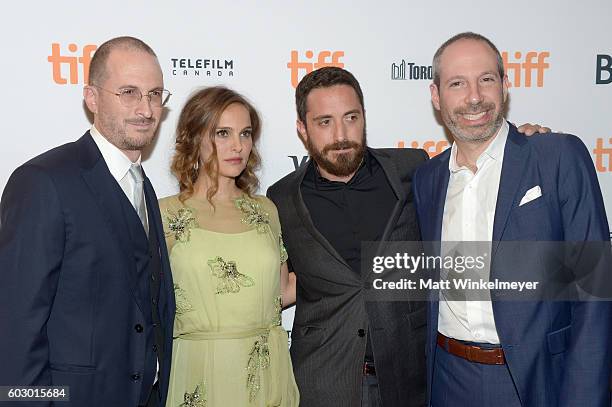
(558, 353)
(69, 304)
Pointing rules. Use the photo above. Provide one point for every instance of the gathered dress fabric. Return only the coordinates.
(229, 346)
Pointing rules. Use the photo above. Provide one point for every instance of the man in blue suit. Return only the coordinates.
(86, 294)
(496, 185)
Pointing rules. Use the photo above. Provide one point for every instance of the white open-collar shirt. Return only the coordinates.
(469, 212)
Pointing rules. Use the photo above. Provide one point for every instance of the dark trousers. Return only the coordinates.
(460, 383)
(370, 397)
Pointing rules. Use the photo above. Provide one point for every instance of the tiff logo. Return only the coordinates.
(58, 60)
(431, 147)
(524, 68)
(603, 155)
(603, 70)
(324, 58)
(410, 71)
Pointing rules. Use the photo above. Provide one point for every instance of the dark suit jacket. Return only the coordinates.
(558, 352)
(69, 305)
(327, 349)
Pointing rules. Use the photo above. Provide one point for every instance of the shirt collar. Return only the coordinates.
(117, 162)
(495, 150)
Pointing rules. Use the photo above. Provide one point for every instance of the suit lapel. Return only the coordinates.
(510, 180)
(155, 215)
(439, 185)
(104, 187)
(394, 180)
(304, 215)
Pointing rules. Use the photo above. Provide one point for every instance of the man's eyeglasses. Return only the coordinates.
(130, 97)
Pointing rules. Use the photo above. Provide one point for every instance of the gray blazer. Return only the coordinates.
(331, 315)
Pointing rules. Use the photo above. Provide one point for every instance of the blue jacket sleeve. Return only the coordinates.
(589, 357)
(31, 250)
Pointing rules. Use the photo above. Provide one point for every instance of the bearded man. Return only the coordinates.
(86, 294)
(538, 202)
(347, 351)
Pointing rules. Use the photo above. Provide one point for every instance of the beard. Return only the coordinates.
(475, 134)
(117, 133)
(345, 164)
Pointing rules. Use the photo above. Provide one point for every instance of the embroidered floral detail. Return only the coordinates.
(182, 303)
(195, 399)
(254, 216)
(230, 279)
(283, 251)
(181, 223)
(278, 308)
(259, 358)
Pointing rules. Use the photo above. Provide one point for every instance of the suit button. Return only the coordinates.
(138, 328)
(136, 376)
(154, 301)
(155, 348)
(361, 332)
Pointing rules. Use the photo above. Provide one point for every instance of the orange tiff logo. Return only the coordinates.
(603, 155)
(520, 72)
(431, 147)
(324, 58)
(59, 61)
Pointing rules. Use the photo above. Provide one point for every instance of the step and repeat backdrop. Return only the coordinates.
(558, 56)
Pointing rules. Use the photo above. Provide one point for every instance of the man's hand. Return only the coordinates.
(529, 129)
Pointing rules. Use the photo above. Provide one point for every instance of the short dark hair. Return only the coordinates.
(323, 78)
(468, 35)
(97, 67)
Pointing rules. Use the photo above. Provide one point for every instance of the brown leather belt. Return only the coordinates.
(369, 369)
(472, 353)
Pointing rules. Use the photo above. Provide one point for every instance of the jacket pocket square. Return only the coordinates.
(530, 195)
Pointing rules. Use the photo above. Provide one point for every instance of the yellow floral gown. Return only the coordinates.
(229, 346)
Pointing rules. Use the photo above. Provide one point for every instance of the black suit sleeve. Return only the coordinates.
(31, 250)
(270, 194)
(424, 154)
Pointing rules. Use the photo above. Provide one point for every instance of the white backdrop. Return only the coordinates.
(552, 50)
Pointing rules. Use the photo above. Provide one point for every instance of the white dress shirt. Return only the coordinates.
(117, 162)
(469, 212)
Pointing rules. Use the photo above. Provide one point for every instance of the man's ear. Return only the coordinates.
(301, 128)
(90, 94)
(435, 95)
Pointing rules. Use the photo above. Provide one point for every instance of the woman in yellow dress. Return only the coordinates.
(228, 263)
